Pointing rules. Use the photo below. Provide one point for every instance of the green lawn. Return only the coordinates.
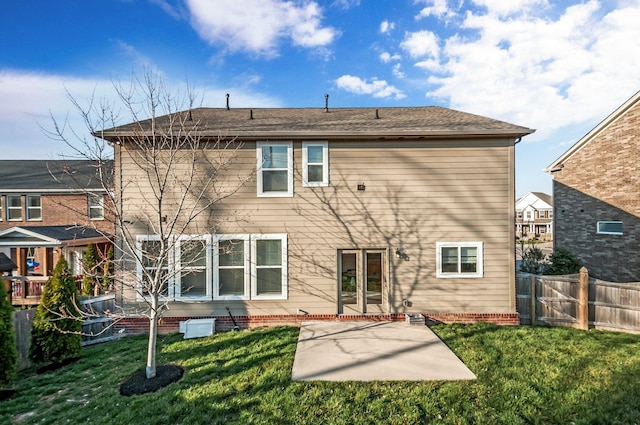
(525, 375)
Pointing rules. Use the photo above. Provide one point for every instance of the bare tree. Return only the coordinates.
(168, 181)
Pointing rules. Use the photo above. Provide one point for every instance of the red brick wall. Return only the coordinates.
(59, 210)
(137, 325)
(601, 182)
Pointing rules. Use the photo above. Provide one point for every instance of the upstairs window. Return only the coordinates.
(14, 207)
(96, 207)
(609, 227)
(34, 207)
(315, 164)
(459, 259)
(275, 169)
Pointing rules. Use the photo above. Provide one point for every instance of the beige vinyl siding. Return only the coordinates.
(418, 192)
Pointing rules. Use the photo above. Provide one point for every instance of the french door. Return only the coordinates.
(362, 281)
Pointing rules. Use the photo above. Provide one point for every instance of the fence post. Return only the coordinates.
(533, 300)
(583, 299)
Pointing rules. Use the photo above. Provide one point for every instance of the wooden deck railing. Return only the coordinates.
(26, 291)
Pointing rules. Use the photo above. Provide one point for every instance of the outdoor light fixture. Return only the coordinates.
(361, 187)
(401, 254)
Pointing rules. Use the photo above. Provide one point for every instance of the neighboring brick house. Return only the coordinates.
(351, 212)
(596, 194)
(46, 212)
(534, 216)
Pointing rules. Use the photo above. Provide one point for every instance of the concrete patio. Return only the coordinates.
(374, 351)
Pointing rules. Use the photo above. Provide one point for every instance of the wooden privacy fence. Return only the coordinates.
(578, 301)
(98, 327)
(95, 329)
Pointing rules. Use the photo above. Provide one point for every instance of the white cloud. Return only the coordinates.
(346, 4)
(386, 26)
(376, 88)
(397, 71)
(387, 57)
(138, 58)
(546, 73)
(438, 8)
(420, 44)
(29, 100)
(260, 26)
(505, 8)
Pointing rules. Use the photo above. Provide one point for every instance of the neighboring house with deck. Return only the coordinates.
(351, 212)
(596, 194)
(534, 216)
(46, 212)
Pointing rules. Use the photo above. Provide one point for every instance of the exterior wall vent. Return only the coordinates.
(197, 328)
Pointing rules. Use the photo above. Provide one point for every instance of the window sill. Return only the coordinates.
(267, 297)
(193, 299)
(459, 276)
(275, 195)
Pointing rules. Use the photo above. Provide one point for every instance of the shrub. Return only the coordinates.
(533, 260)
(90, 269)
(55, 335)
(107, 279)
(563, 262)
(8, 351)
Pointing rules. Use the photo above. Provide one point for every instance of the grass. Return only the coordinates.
(525, 376)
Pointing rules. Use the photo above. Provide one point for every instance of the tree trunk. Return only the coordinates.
(153, 336)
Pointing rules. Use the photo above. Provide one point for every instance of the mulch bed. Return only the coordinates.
(138, 383)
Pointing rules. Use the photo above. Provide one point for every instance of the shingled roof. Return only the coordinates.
(49, 175)
(274, 123)
(31, 236)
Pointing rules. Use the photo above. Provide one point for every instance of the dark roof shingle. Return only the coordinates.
(49, 175)
(337, 122)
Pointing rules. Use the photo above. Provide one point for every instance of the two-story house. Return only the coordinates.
(534, 216)
(596, 195)
(46, 212)
(348, 212)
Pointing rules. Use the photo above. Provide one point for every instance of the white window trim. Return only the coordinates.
(29, 208)
(480, 269)
(325, 164)
(216, 267)
(99, 207)
(608, 233)
(139, 289)
(177, 267)
(289, 192)
(9, 208)
(254, 267)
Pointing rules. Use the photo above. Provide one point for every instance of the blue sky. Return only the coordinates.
(559, 66)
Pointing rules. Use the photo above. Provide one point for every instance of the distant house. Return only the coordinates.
(45, 212)
(352, 212)
(596, 194)
(534, 216)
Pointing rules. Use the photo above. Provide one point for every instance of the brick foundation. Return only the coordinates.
(512, 319)
(139, 325)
